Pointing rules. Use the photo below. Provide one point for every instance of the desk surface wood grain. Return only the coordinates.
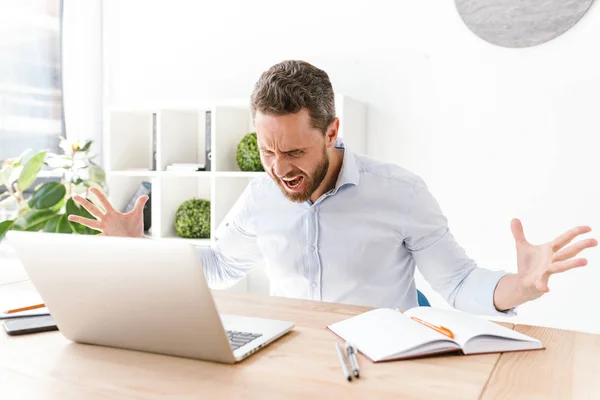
(302, 364)
(569, 368)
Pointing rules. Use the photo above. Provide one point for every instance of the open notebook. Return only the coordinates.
(29, 313)
(386, 334)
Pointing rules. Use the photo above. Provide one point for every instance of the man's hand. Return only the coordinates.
(112, 222)
(536, 263)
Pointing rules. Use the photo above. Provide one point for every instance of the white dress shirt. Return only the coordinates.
(357, 244)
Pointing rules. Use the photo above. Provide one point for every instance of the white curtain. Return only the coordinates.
(30, 76)
(83, 71)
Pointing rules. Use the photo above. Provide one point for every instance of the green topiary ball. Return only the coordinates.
(247, 155)
(192, 219)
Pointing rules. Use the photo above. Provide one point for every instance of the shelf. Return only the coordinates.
(196, 242)
(192, 174)
(238, 174)
(196, 174)
(133, 172)
(139, 144)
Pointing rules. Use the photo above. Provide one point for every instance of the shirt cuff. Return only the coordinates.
(486, 282)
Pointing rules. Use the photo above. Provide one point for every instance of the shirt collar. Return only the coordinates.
(349, 174)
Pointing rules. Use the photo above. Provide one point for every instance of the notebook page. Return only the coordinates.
(383, 332)
(464, 326)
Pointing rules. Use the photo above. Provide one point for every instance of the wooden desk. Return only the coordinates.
(303, 364)
(569, 368)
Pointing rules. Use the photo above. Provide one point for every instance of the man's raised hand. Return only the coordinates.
(112, 222)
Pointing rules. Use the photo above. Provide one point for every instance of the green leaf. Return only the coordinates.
(48, 195)
(76, 209)
(52, 224)
(59, 224)
(64, 225)
(34, 220)
(87, 146)
(58, 205)
(5, 226)
(30, 171)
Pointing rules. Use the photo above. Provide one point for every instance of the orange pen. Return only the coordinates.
(440, 329)
(25, 308)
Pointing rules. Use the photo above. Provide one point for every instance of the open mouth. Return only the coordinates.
(293, 183)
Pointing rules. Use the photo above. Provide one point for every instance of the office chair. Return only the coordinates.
(423, 302)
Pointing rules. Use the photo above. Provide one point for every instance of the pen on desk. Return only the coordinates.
(352, 356)
(25, 308)
(343, 362)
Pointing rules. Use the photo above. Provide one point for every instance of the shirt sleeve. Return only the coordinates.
(235, 250)
(443, 262)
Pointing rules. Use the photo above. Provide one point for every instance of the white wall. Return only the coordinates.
(497, 133)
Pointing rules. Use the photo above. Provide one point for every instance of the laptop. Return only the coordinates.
(137, 294)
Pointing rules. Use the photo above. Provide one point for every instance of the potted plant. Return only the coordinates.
(247, 155)
(192, 219)
(47, 207)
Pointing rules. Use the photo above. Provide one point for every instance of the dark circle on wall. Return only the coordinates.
(521, 23)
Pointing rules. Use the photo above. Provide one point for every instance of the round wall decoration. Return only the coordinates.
(521, 23)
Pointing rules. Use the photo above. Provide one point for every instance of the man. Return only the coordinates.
(338, 226)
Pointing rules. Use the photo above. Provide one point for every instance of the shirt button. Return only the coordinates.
(314, 285)
(313, 210)
(312, 248)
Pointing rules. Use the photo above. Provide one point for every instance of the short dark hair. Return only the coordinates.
(290, 86)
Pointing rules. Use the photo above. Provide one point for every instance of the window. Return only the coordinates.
(31, 108)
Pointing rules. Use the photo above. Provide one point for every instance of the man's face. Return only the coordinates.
(293, 153)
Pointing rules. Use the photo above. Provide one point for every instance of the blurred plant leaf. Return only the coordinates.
(49, 207)
(58, 206)
(30, 171)
(59, 224)
(5, 226)
(47, 195)
(87, 146)
(33, 220)
(52, 224)
(64, 225)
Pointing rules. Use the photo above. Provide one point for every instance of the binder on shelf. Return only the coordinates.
(207, 141)
(153, 166)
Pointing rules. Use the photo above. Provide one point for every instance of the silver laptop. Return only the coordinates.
(138, 294)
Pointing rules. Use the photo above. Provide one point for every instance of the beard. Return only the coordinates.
(309, 183)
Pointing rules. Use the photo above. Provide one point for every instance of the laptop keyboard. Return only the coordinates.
(238, 339)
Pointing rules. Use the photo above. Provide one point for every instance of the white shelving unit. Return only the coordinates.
(180, 138)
